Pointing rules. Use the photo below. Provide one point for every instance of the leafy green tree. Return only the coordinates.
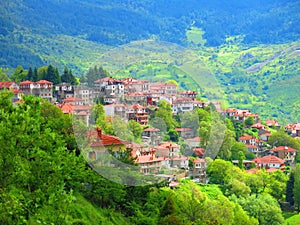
(262, 207)
(281, 138)
(136, 129)
(3, 76)
(228, 142)
(19, 74)
(164, 112)
(249, 121)
(241, 158)
(221, 171)
(240, 147)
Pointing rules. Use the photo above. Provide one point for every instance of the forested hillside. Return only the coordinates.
(249, 46)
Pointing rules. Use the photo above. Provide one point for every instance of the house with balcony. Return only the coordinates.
(182, 105)
(286, 153)
(137, 113)
(42, 88)
(151, 136)
(62, 91)
(112, 90)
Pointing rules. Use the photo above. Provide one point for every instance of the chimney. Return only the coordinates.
(99, 131)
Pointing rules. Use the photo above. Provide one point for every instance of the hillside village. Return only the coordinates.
(132, 99)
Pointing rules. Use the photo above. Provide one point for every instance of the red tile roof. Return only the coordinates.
(258, 126)
(179, 158)
(269, 159)
(148, 159)
(5, 85)
(198, 160)
(284, 148)
(246, 138)
(183, 129)
(151, 129)
(72, 99)
(195, 139)
(104, 139)
(199, 151)
(272, 122)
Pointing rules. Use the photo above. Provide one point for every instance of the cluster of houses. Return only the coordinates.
(132, 99)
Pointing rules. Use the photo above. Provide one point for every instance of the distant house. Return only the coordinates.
(100, 143)
(151, 136)
(112, 90)
(132, 85)
(137, 113)
(182, 105)
(268, 162)
(167, 149)
(258, 126)
(199, 169)
(200, 152)
(293, 129)
(10, 85)
(163, 88)
(150, 164)
(185, 132)
(273, 123)
(286, 153)
(181, 162)
(115, 109)
(62, 91)
(42, 88)
(193, 142)
(247, 139)
(188, 94)
(85, 93)
(265, 135)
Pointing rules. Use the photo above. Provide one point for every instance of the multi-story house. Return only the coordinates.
(115, 109)
(112, 90)
(138, 113)
(273, 123)
(293, 129)
(199, 169)
(151, 136)
(85, 93)
(182, 105)
(268, 162)
(132, 85)
(100, 144)
(188, 94)
(286, 153)
(62, 91)
(42, 88)
(163, 88)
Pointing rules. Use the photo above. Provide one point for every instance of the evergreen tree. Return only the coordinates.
(52, 75)
(35, 75)
(289, 189)
(29, 74)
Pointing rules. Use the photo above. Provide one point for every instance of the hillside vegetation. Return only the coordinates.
(245, 53)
